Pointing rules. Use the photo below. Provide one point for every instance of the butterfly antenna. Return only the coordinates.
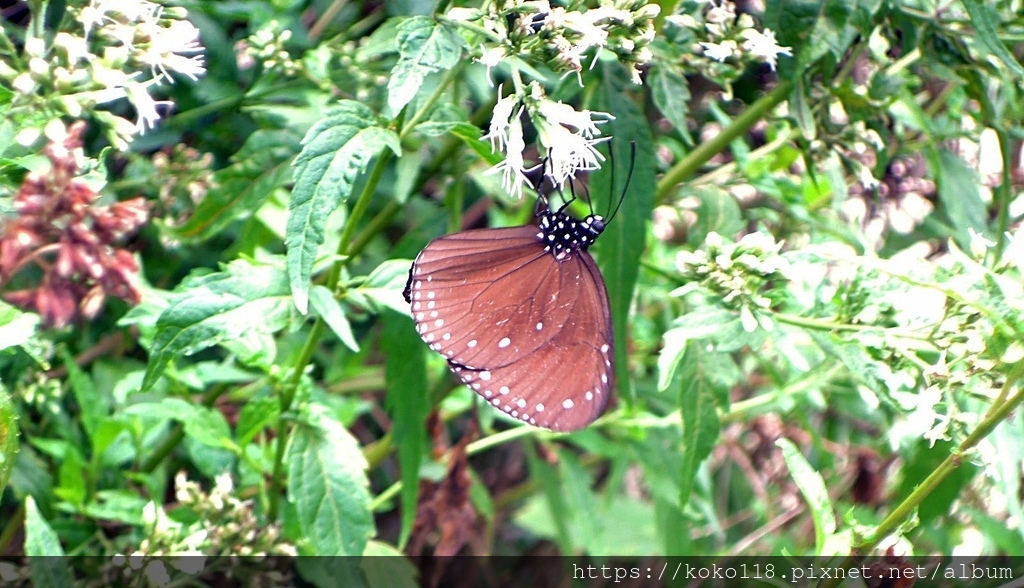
(629, 176)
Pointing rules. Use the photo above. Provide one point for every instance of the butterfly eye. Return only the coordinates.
(522, 316)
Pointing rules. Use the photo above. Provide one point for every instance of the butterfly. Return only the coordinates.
(522, 316)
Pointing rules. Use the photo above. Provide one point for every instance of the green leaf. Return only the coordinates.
(697, 405)
(334, 152)
(671, 94)
(470, 135)
(812, 486)
(16, 327)
(698, 324)
(204, 424)
(51, 570)
(326, 306)
(424, 47)
(94, 406)
(408, 403)
(719, 213)
(255, 416)
(8, 436)
(387, 567)
(218, 308)
(260, 167)
(383, 287)
(558, 509)
(957, 186)
(327, 484)
(986, 21)
(620, 247)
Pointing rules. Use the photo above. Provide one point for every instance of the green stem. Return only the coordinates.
(825, 325)
(473, 448)
(689, 165)
(326, 17)
(442, 87)
(996, 414)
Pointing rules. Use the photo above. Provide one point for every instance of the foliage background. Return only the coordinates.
(845, 380)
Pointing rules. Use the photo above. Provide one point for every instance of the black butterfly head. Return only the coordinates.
(564, 235)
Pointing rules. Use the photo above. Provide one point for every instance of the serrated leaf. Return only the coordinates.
(94, 406)
(255, 416)
(46, 562)
(408, 403)
(384, 566)
(957, 186)
(8, 436)
(698, 324)
(698, 407)
(470, 135)
(217, 308)
(334, 152)
(424, 47)
(204, 424)
(719, 213)
(327, 484)
(16, 327)
(326, 306)
(985, 21)
(384, 286)
(259, 167)
(620, 247)
(671, 94)
(558, 509)
(813, 489)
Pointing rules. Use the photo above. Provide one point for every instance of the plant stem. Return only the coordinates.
(995, 415)
(689, 165)
(473, 448)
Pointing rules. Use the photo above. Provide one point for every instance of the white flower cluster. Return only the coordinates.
(737, 272)
(731, 37)
(559, 37)
(123, 50)
(569, 138)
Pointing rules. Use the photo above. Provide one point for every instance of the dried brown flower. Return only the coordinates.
(61, 232)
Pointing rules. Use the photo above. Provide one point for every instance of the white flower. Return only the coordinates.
(565, 114)
(168, 47)
(720, 51)
(763, 46)
(497, 133)
(76, 47)
(512, 167)
(492, 57)
(145, 107)
(568, 152)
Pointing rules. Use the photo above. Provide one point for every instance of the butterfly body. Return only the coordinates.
(522, 316)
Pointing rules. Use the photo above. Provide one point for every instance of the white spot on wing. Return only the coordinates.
(471, 344)
(590, 395)
(604, 348)
(540, 326)
(439, 323)
(485, 375)
(503, 389)
(521, 403)
(505, 342)
(540, 408)
(567, 403)
(604, 379)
